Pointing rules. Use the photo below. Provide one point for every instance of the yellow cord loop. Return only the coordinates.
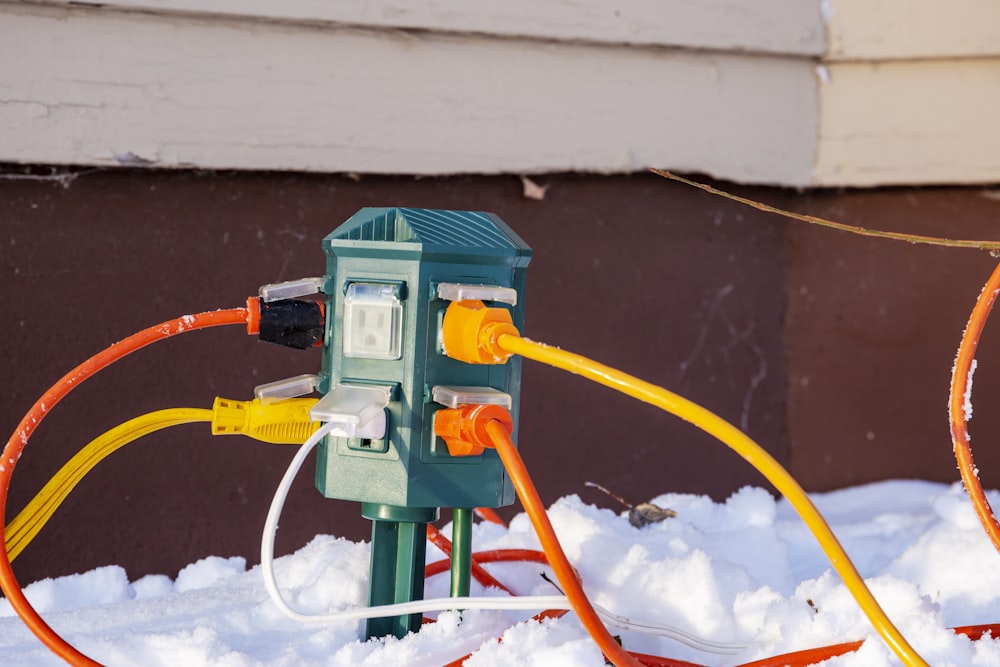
(26, 525)
(279, 422)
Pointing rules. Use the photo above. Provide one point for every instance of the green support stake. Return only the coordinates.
(398, 558)
(461, 552)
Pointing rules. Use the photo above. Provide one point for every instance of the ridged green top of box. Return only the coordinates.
(429, 227)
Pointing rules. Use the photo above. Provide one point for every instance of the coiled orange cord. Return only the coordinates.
(959, 397)
(17, 442)
(435, 537)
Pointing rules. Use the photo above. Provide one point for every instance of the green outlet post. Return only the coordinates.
(385, 272)
(396, 573)
(461, 551)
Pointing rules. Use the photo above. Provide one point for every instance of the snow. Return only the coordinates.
(745, 571)
(967, 405)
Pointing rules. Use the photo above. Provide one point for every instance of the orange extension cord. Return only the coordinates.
(492, 556)
(528, 495)
(15, 446)
(961, 391)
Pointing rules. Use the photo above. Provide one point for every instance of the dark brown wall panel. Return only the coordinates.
(873, 328)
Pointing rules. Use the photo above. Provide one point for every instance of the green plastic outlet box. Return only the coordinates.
(383, 315)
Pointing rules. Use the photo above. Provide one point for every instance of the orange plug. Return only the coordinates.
(463, 428)
(468, 430)
(253, 315)
(470, 332)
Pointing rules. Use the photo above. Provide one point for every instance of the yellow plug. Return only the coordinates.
(284, 422)
(470, 332)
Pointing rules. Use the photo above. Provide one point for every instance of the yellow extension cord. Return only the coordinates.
(279, 422)
(26, 525)
(742, 445)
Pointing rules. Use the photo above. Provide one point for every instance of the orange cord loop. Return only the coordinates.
(19, 439)
(478, 571)
(960, 394)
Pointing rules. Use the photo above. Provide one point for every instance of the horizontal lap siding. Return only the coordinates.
(175, 92)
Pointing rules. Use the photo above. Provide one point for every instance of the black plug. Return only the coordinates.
(292, 323)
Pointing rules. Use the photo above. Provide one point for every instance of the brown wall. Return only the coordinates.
(807, 338)
(872, 331)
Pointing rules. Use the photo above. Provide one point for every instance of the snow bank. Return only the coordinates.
(745, 570)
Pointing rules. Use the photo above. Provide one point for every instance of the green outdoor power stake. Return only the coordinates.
(390, 275)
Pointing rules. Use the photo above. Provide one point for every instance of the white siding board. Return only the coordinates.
(773, 26)
(136, 88)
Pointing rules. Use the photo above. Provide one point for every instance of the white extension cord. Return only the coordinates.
(520, 603)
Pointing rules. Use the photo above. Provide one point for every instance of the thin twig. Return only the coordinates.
(992, 246)
(609, 493)
(551, 582)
